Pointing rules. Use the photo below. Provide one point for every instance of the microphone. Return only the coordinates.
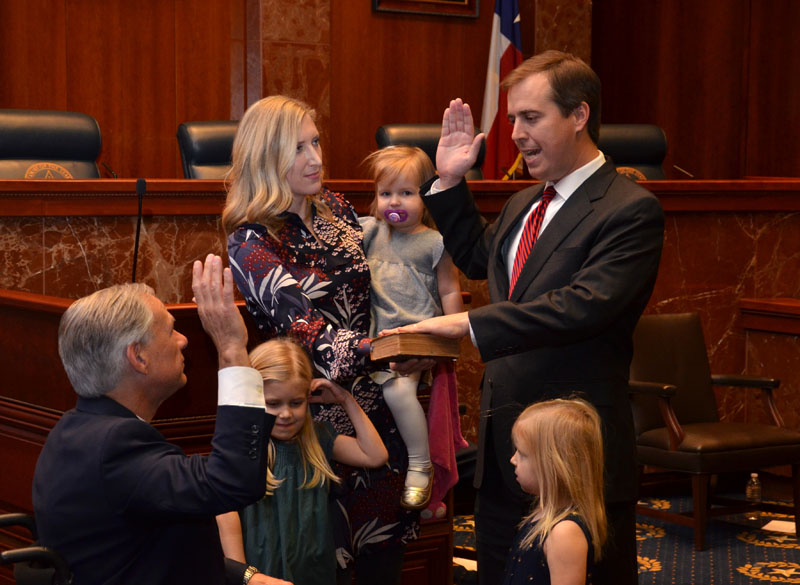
(141, 188)
(684, 171)
(109, 169)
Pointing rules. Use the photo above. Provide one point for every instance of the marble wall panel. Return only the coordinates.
(774, 356)
(565, 25)
(74, 256)
(300, 21)
(22, 254)
(300, 70)
(777, 259)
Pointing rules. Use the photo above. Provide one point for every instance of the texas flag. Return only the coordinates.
(505, 53)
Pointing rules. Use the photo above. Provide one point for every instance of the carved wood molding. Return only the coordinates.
(110, 197)
(31, 423)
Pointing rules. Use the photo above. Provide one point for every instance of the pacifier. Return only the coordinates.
(395, 215)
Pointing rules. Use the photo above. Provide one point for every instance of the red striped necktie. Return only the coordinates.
(529, 234)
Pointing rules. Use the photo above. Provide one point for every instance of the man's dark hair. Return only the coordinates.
(572, 81)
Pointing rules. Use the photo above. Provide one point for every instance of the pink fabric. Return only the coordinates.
(444, 430)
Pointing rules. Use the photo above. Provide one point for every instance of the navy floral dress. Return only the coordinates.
(317, 292)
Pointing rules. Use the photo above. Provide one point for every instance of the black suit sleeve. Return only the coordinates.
(145, 475)
(467, 235)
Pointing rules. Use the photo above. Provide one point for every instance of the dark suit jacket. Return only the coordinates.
(124, 506)
(568, 327)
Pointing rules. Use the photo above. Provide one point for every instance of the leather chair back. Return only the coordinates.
(638, 150)
(426, 137)
(206, 148)
(671, 349)
(45, 144)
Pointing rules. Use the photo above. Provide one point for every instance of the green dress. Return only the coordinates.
(288, 535)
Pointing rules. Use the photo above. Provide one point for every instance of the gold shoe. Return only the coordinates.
(415, 498)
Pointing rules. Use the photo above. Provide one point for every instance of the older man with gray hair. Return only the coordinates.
(109, 492)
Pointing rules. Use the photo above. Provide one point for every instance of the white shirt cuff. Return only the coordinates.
(434, 189)
(240, 386)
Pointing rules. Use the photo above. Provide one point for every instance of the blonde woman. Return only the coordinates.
(296, 255)
(559, 459)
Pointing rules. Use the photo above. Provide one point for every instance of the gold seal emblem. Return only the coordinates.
(46, 170)
(631, 173)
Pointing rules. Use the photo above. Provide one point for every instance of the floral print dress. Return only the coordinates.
(317, 292)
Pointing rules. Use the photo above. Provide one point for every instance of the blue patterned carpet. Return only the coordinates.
(739, 552)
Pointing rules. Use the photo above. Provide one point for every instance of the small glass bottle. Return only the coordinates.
(753, 495)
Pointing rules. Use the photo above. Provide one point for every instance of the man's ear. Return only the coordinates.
(135, 358)
(581, 114)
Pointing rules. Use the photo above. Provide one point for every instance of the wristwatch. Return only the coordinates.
(248, 574)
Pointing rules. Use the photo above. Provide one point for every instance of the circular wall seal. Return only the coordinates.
(46, 170)
(631, 173)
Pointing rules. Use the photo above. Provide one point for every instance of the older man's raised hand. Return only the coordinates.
(213, 292)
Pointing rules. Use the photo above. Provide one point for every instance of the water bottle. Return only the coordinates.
(753, 495)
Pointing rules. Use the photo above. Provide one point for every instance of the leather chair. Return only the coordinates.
(44, 144)
(426, 137)
(206, 148)
(34, 565)
(678, 428)
(638, 150)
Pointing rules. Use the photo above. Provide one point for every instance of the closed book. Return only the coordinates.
(402, 346)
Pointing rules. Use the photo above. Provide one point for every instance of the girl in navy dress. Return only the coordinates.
(558, 459)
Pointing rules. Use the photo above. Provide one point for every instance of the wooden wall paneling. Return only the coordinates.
(774, 90)
(681, 66)
(203, 60)
(33, 68)
(388, 67)
(209, 59)
(238, 59)
(121, 60)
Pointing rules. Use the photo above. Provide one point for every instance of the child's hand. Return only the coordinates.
(327, 392)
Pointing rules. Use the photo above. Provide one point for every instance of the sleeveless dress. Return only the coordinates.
(288, 535)
(530, 566)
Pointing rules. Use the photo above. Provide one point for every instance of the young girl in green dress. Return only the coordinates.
(288, 533)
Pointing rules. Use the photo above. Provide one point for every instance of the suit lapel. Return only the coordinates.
(572, 213)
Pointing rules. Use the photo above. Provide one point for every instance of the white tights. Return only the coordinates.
(400, 395)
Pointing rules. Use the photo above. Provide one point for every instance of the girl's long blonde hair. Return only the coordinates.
(283, 360)
(564, 439)
(264, 151)
(392, 162)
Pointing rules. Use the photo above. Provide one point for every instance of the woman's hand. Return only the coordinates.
(413, 365)
(325, 391)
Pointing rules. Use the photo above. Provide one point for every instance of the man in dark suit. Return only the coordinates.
(122, 504)
(565, 326)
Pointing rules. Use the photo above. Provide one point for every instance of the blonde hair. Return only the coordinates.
(390, 163)
(283, 360)
(564, 440)
(264, 151)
